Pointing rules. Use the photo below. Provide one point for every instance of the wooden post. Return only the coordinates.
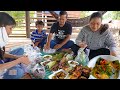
(27, 14)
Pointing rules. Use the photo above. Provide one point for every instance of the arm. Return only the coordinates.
(36, 43)
(33, 39)
(6, 55)
(79, 40)
(80, 37)
(52, 30)
(47, 46)
(63, 43)
(8, 65)
(65, 40)
(113, 53)
(43, 36)
(110, 42)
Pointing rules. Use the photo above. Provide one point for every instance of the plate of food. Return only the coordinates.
(104, 67)
(44, 63)
(38, 71)
(73, 63)
(60, 74)
(79, 72)
(47, 57)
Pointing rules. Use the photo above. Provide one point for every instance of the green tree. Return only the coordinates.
(19, 16)
(84, 14)
(114, 15)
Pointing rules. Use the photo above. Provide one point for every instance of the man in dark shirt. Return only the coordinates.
(62, 31)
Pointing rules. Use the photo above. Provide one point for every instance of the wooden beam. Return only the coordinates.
(27, 14)
(76, 22)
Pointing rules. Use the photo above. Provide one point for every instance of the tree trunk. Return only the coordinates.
(76, 22)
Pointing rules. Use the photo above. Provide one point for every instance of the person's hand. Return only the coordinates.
(24, 60)
(20, 56)
(82, 45)
(16, 57)
(46, 46)
(36, 44)
(57, 46)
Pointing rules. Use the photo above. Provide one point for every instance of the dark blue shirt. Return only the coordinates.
(61, 32)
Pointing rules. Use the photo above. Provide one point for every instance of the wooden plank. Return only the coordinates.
(27, 24)
(23, 24)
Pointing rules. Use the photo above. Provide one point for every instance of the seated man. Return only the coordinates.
(62, 31)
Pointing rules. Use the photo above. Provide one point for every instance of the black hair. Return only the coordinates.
(104, 28)
(95, 15)
(39, 22)
(6, 19)
(2, 52)
(63, 13)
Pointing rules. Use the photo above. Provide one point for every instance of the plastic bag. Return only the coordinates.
(82, 58)
(50, 51)
(34, 56)
(2, 72)
(38, 71)
(37, 49)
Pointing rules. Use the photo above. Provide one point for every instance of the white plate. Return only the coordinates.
(73, 65)
(50, 76)
(44, 57)
(92, 62)
(42, 63)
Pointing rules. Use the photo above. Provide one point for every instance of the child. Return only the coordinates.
(10, 61)
(39, 35)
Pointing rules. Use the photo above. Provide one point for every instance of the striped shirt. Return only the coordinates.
(95, 40)
(36, 36)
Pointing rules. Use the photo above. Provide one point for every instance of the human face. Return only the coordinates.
(39, 27)
(62, 20)
(95, 24)
(9, 29)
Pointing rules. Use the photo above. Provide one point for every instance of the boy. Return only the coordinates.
(39, 35)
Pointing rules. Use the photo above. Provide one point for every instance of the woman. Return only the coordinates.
(10, 61)
(95, 37)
